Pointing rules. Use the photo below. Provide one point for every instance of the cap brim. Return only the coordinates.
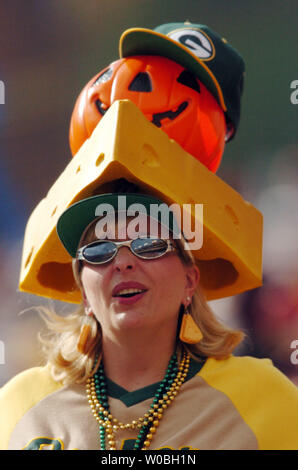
(141, 41)
(73, 221)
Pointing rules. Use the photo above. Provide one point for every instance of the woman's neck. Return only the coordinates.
(137, 361)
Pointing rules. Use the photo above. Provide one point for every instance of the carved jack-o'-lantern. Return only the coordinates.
(170, 96)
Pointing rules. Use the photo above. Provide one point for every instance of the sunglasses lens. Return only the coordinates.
(149, 247)
(99, 252)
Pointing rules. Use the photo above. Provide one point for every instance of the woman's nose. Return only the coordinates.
(124, 259)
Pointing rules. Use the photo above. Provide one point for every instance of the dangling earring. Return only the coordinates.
(85, 331)
(189, 331)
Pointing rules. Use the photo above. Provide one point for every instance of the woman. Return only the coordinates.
(144, 363)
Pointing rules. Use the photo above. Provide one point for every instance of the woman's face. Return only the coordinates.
(162, 284)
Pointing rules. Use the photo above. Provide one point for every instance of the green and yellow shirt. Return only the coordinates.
(236, 403)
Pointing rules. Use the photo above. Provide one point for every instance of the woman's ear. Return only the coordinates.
(85, 300)
(192, 280)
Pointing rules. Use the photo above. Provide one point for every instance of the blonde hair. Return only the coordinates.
(68, 365)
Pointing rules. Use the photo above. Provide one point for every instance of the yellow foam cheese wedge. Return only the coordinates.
(126, 145)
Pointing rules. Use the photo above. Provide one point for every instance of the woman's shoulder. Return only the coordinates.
(263, 396)
(29, 382)
(20, 394)
(244, 364)
(241, 370)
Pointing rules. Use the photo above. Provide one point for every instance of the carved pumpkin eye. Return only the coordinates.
(188, 79)
(104, 77)
(141, 82)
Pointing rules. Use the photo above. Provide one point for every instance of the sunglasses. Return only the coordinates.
(103, 251)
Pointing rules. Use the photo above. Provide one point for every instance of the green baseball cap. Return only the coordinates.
(76, 218)
(199, 49)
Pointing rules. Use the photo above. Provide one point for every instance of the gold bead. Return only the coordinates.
(147, 443)
(152, 429)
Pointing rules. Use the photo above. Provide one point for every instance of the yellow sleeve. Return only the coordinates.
(19, 395)
(265, 398)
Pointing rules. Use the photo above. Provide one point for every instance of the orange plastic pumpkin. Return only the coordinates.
(169, 96)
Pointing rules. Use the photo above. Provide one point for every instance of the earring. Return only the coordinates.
(189, 331)
(85, 331)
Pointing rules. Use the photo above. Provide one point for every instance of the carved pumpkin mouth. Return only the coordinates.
(157, 117)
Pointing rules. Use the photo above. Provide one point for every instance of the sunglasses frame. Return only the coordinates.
(80, 252)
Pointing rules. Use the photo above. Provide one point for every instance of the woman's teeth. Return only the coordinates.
(128, 292)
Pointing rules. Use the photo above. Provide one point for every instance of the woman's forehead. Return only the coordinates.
(123, 227)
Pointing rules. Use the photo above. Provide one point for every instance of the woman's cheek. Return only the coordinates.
(92, 283)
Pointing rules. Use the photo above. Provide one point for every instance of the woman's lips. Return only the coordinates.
(124, 292)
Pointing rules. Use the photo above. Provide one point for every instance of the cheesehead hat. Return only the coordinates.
(125, 145)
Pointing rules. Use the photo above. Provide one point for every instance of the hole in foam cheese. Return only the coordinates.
(216, 273)
(100, 159)
(29, 257)
(58, 276)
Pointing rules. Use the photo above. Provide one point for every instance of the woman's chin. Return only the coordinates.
(130, 319)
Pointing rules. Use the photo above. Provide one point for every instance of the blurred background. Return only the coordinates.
(49, 49)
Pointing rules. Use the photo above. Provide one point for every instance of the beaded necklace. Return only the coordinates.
(96, 391)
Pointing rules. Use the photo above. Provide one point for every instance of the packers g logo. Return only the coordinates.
(196, 41)
(44, 443)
